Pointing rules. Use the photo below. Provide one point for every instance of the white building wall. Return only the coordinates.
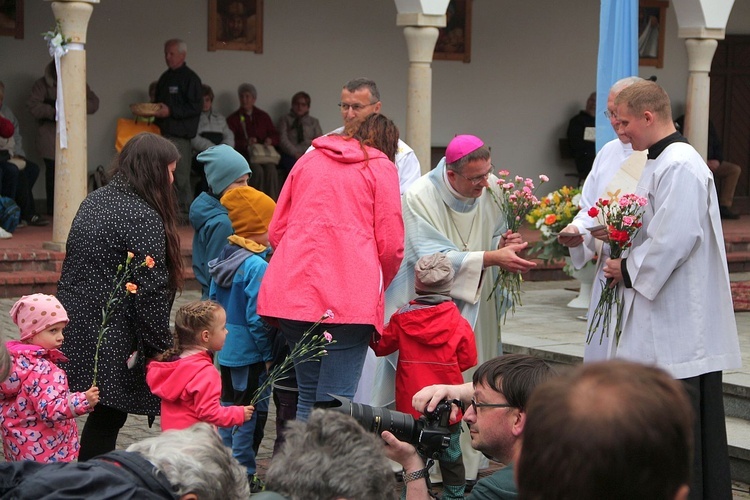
(532, 67)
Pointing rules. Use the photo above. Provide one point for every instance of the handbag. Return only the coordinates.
(127, 129)
(260, 154)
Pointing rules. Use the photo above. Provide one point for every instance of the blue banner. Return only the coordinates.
(618, 57)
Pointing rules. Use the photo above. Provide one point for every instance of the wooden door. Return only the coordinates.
(730, 108)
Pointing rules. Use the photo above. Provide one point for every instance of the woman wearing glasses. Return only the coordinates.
(338, 240)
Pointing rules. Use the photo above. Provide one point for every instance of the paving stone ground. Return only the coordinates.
(136, 427)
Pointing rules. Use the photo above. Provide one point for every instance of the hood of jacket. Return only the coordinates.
(25, 358)
(345, 150)
(223, 267)
(167, 379)
(204, 208)
(16, 347)
(419, 324)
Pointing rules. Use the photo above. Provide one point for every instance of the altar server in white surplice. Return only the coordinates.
(677, 301)
(616, 167)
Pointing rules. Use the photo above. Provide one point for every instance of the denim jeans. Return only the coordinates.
(337, 372)
(237, 387)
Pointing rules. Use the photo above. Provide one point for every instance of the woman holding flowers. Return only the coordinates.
(135, 213)
(338, 240)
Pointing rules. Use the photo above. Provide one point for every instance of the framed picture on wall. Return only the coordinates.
(11, 18)
(235, 25)
(652, 17)
(454, 41)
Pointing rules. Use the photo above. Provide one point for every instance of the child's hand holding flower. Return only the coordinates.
(92, 396)
(249, 409)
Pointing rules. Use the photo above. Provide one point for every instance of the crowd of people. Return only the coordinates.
(382, 263)
(186, 117)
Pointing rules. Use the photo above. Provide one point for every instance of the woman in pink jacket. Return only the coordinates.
(338, 239)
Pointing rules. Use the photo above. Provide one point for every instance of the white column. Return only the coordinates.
(700, 54)
(420, 42)
(71, 170)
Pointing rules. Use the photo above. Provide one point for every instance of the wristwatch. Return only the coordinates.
(413, 476)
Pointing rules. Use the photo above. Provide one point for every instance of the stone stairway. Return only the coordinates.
(27, 271)
(545, 327)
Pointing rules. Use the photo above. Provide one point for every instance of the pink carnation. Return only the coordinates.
(543, 178)
(627, 220)
(503, 173)
(328, 314)
(327, 336)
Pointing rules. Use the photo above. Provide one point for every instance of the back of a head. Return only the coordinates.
(378, 132)
(143, 162)
(615, 430)
(250, 210)
(433, 274)
(330, 456)
(515, 376)
(195, 460)
(645, 95)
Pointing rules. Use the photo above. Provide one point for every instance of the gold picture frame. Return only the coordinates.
(11, 18)
(652, 18)
(235, 25)
(454, 41)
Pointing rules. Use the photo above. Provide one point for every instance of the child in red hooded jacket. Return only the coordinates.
(435, 345)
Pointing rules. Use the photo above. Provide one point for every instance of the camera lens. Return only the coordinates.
(377, 420)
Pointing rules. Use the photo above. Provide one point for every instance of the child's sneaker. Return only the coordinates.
(4, 235)
(256, 484)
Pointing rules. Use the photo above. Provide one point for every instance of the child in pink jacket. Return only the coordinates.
(185, 377)
(37, 412)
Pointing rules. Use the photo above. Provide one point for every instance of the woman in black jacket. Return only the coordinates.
(136, 212)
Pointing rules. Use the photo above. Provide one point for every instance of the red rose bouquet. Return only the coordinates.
(516, 200)
(622, 216)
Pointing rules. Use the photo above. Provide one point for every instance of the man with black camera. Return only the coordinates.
(495, 403)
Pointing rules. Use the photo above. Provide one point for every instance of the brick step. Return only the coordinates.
(37, 270)
(19, 283)
(31, 260)
(25, 282)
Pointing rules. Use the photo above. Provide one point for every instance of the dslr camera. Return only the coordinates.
(429, 434)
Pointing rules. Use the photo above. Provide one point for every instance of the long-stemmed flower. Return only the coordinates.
(122, 286)
(622, 216)
(309, 348)
(516, 200)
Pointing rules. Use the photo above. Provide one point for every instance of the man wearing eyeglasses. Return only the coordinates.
(606, 176)
(495, 403)
(359, 99)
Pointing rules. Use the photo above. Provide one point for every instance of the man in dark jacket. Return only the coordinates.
(179, 464)
(179, 92)
(581, 137)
